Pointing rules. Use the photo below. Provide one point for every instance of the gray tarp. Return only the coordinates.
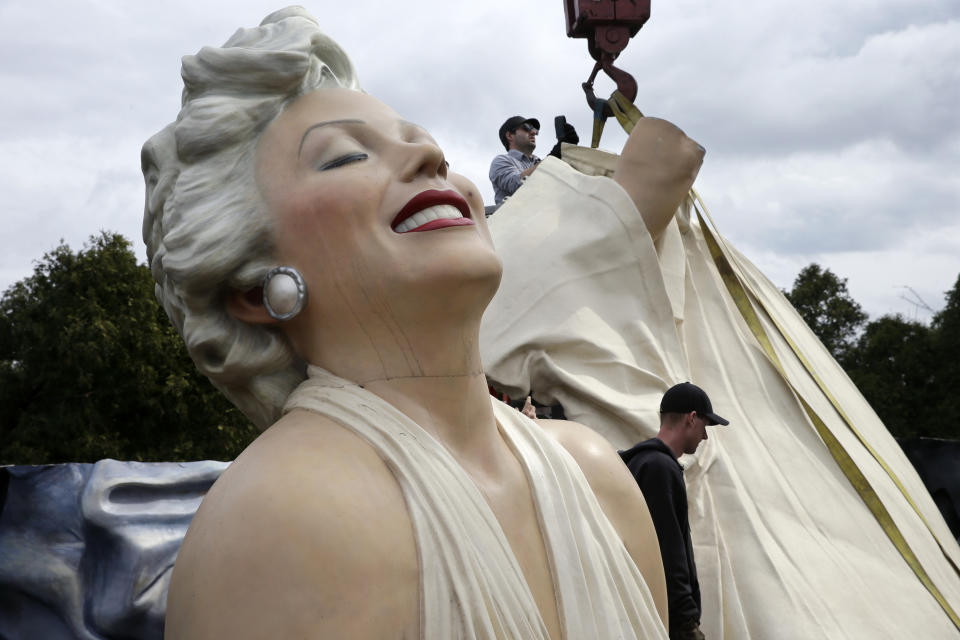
(86, 549)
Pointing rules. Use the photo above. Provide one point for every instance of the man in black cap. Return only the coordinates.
(685, 414)
(518, 135)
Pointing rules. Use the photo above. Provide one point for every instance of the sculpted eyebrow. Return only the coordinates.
(324, 124)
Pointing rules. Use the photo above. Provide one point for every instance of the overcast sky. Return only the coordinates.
(831, 128)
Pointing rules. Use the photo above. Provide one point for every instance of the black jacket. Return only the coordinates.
(660, 477)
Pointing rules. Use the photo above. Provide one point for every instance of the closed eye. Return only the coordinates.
(342, 160)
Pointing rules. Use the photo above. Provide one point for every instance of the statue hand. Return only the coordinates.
(657, 167)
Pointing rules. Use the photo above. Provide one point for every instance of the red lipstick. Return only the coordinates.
(431, 198)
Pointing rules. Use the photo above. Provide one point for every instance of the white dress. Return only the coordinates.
(472, 586)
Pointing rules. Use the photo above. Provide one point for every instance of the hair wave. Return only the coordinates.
(205, 225)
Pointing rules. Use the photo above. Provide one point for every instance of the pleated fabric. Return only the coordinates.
(471, 585)
(594, 314)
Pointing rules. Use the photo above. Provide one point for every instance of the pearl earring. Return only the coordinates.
(284, 293)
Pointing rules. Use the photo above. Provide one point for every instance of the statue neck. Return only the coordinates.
(455, 409)
(430, 371)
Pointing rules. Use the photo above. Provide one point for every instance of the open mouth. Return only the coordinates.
(436, 212)
(431, 210)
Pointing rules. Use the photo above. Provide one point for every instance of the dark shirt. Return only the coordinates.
(660, 477)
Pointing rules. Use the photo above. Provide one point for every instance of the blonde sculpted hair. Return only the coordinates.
(205, 225)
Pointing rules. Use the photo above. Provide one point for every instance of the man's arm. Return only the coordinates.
(506, 175)
(660, 487)
(657, 167)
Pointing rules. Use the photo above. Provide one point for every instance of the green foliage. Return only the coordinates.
(91, 368)
(894, 366)
(823, 302)
(946, 344)
(909, 372)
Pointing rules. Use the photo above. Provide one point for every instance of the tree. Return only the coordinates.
(946, 345)
(910, 373)
(893, 366)
(822, 300)
(91, 368)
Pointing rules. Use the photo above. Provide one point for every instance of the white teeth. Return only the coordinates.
(436, 212)
(419, 219)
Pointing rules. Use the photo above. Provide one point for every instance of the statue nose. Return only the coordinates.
(423, 158)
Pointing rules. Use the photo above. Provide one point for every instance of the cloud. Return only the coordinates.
(888, 281)
(65, 187)
(831, 129)
(768, 88)
(868, 196)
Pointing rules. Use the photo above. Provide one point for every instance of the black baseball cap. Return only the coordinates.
(686, 397)
(511, 125)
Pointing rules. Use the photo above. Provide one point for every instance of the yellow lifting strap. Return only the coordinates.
(745, 304)
(599, 119)
(625, 111)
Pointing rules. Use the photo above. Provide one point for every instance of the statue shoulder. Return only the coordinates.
(620, 498)
(599, 461)
(305, 534)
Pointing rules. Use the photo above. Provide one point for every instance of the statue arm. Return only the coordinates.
(619, 497)
(657, 167)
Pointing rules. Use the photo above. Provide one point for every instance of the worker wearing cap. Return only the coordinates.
(518, 135)
(685, 414)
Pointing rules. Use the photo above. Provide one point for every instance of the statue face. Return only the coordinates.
(364, 206)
